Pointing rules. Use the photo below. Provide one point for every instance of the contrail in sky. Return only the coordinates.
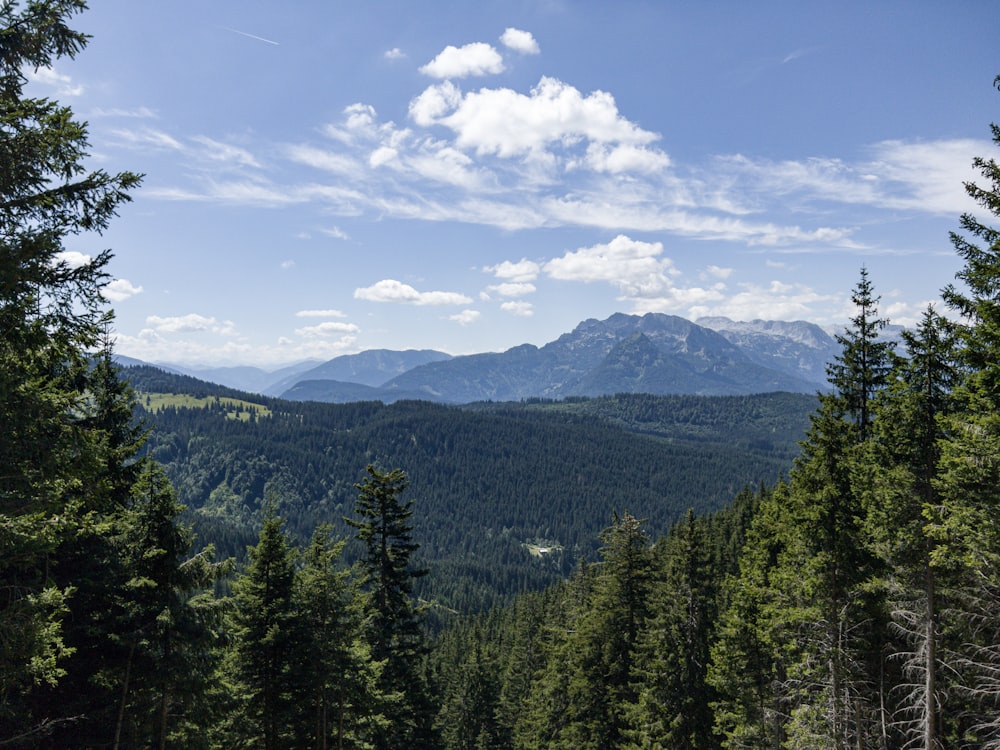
(252, 36)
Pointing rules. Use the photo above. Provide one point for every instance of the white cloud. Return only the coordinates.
(287, 265)
(190, 323)
(142, 113)
(320, 314)
(520, 309)
(508, 124)
(718, 272)
(336, 232)
(520, 41)
(327, 328)
(218, 151)
(121, 289)
(148, 137)
(465, 317)
(62, 83)
(394, 54)
(624, 158)
(434, 102)
(514, 289)
(476, 59)
(773, 301)
(522, 270)
(390, 290)
(382, 155)
(631, 265)
(72, 258)
(326, 160)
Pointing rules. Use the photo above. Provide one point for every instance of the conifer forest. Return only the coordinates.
(852, 602)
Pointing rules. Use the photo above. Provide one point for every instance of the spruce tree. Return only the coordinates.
(262, 628)
(898, 480)
(673, 705)
(336, 683)
(394, 621)
(51, 317)
(967, 526)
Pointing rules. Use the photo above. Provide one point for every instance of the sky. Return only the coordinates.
(323, 178)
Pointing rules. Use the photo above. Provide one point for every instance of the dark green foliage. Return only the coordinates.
(492, 477)
(336, 678)
(51, 315)
(262, 664)
(393, 621)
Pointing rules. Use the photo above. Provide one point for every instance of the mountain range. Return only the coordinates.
(653, 353)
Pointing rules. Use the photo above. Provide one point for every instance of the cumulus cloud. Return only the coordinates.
(190, 323)
(514, 289)
(522, 270)
(320, 314)
(434, 102)
(390, 290)
(631, 265)
(394, 54)
(506, 123)
(520, 41)
(773, 301)
(328, 328)
(465, 317)
(520, 308)
(121, 289)
(476, 59)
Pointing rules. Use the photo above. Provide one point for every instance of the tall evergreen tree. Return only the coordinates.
(826, 640)
(263, 656)
(336, 677)
(172, 623)
(394, 622)
(861, 369)
(51, 315)
(967, 526)
(673, 706)
(897, 478)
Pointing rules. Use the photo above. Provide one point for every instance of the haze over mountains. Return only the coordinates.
(653, 353)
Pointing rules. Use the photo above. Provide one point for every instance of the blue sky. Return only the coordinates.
(328, 177)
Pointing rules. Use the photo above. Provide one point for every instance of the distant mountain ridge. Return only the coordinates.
(654, 353)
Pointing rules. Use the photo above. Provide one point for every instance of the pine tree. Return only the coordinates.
(394, 622)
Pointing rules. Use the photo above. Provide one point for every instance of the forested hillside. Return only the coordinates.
(493, 483)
